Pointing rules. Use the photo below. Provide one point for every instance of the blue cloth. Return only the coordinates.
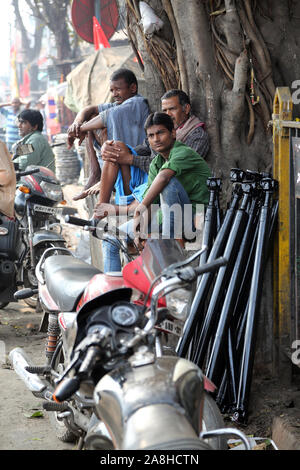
(138, 182)
(126, 121)
(111, 253)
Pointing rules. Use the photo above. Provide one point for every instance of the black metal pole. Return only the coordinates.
(211, 218)
(202, 290)
(223, 276)
(241, 410)
(217, 351)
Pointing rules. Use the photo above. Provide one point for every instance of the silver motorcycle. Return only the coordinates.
(109, 385)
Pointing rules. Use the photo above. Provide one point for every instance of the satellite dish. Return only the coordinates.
(82, 14)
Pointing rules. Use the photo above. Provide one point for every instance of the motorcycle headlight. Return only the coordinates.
(52, 191)
(177, 303)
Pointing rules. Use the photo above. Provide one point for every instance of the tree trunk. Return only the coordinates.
(31, 51)
(229, 55)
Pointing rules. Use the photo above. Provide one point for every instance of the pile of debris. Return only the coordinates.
(67, 163)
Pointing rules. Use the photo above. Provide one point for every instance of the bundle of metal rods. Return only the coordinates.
(220, 331)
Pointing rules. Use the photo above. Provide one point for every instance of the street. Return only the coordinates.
(24, 424)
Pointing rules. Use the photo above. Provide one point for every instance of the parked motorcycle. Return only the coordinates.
(34, 229)
(107, 382)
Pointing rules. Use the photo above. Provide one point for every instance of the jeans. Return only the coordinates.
(177, 221)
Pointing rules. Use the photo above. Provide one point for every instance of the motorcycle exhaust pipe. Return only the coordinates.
(20, 363)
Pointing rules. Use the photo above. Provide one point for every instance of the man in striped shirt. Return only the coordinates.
(12, 131)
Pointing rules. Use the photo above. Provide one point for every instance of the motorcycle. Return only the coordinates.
(34, 229)
(107, 381)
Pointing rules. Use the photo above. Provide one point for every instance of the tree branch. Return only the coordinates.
(180, 56)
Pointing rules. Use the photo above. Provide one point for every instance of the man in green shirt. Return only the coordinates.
(30, 124)
(176, 183)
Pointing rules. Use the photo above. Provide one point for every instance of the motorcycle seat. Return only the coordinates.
(66, 278)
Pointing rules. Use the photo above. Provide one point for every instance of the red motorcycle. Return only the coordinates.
(105, 355)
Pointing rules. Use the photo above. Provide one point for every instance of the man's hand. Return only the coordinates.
(140, 225)
(116, 152)
(103, 209)
(75, 132)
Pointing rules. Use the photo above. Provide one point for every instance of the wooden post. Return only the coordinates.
(282, 111)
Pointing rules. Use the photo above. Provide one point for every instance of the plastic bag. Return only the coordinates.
(150, 21)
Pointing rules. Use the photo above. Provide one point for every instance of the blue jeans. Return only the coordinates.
(177, 221)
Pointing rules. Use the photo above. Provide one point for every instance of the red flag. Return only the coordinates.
(99, 36)
(25, 87)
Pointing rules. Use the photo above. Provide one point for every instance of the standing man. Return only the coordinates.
(30, 125)
(123, 120)
(12, 132)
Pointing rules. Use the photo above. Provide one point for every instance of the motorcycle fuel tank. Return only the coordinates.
(167, 383)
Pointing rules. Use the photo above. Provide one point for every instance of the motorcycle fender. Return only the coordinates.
(99, 285)
(46, 300)
(68, 329)
(169, 382)
(46, 236)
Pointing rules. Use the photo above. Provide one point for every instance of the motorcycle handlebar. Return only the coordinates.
(211, 267)
(189, 273)
(69, 219)
(69, 386)
(66, 389)
(28, 172)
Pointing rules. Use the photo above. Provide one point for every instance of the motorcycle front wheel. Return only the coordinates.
(212, 419)
(62, 431)
(3, 305)
(29, 278)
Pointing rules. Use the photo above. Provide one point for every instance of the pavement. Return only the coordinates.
(286, 432)
(24, 426)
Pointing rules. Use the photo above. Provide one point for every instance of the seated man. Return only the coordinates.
(123, 120)
(189, 130)
(30, 124)
(177, 179)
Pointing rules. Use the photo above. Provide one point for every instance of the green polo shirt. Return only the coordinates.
(42, 153)
(191, 171)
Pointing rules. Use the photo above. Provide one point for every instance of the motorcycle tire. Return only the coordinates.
(62, 431)
(3, 305)
(29, 278)
(212, 419)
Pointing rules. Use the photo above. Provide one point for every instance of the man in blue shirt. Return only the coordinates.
(123, 120)
(12, 130)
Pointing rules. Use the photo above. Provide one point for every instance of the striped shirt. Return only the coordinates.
(12, 131)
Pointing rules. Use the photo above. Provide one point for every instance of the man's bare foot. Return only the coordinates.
(88, 191)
